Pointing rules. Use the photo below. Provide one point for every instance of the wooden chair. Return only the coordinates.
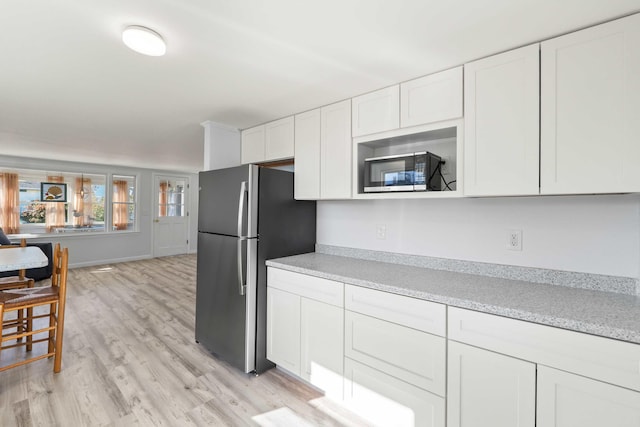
(19, 281)
(27, 299)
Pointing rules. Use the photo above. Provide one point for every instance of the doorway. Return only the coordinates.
(171, 215)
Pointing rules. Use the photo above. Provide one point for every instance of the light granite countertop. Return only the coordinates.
(606, 314)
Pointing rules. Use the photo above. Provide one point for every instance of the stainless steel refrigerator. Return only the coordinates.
(246, 215)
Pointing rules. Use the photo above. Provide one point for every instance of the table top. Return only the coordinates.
(17, 258)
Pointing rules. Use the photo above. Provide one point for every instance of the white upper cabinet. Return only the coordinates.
(307, 155)
(268, 142)
(590, 122)
(431, 98)
(502, 124)
(279, 139)
(335, 151)
(253, 145)
(377, 111)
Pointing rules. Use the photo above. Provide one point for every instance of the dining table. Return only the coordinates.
(18, 258)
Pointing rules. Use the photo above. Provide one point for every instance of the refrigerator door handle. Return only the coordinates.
(241, 205)
(241, 285)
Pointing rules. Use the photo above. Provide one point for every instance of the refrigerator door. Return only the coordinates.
(225, 319)
(227, 201)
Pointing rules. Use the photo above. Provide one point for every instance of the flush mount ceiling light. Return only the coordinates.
(144, 41)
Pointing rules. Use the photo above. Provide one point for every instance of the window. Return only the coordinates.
(171, 197)
(22, 211)
(124, 202)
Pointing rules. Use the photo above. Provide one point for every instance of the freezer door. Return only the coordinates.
(225, 201)
(224, 322)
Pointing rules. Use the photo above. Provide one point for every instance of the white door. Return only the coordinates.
(568, 400)
(283, 329)
(501, 145)
(335, 151)
(321, 352)
(589, 110)
(489, 389)
(171, 215)
(307, 155)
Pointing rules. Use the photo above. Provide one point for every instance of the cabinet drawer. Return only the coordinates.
(606, 359)
(387, 401)
(412, 312)
(316, 288)
(411, 355)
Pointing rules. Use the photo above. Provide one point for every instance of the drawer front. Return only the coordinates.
(387, 401)
(412, 312)
(609, 360)
(408, 354)
(315, 288)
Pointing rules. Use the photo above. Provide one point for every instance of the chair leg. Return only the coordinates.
(20, 323)
(57, 359)
(29, 328)
(52, 333)
(1, 325)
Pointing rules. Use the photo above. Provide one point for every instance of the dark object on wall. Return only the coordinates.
(53, 192)
(4, 240)
(40, 273)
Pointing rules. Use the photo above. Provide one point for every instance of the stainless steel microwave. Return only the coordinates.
(403, 172)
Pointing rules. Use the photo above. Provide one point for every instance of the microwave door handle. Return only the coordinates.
(241, 285)
(241, 206)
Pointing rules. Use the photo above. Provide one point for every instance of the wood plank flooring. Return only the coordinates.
(130, 359)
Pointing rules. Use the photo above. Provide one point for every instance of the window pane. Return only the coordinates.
(171, 198)
(123, 211)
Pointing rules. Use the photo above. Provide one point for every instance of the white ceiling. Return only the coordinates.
(69, 88)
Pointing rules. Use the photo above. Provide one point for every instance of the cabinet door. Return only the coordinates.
(283, 329)
(335, 151)
(279, 139)
(307, 155)
(502, 124)
(590, 109)
(568, 400)
(489, 389)
(377, 111)
(253, 145)
(384, 400)
(431, 98)
(322, 332)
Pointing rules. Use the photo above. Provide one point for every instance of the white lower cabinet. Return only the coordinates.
(322, 331)
(305, 328)
(384, 400)
(489, 389)
(569, 400)
(283, 329)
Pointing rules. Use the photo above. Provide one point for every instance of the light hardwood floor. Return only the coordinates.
(130, 358)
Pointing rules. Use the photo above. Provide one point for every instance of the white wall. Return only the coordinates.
(101, 248)
(591, 234)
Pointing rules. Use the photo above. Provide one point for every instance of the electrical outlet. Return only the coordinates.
(381, 231)
(514, 240)
(445, 168)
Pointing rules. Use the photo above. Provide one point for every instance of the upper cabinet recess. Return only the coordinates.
(501, 101)
(268, 142)
(387, 165)
(429, 99)
(590, 122)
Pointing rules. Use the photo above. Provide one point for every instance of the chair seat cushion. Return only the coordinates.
(21, 297)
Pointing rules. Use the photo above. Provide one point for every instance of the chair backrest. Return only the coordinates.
(59, 264)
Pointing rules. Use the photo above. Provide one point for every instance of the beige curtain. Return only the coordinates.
(54, 216)
(82, 203)
(120, 205)
(9, 202)
(163, 198)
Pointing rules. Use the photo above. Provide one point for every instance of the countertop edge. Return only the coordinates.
(596, 329)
